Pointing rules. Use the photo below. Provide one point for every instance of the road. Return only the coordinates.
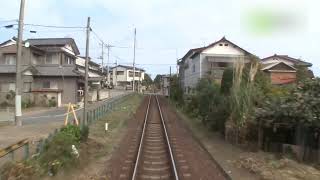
(59, 114)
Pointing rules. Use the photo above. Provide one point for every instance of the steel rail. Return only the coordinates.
(141, 142)
(168, 142)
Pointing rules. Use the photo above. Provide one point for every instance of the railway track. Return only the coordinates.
(154, 159)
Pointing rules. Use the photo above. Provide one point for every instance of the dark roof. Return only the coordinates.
(128, 67)
(56, 71)
(196, 51)
(54, 42)
(286, 57)
(8, 69)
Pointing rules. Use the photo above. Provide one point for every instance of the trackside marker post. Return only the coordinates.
(106, 127)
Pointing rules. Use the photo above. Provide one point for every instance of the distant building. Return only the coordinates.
(209, 61)
(165, 85)
(282, 69)
(122, 77)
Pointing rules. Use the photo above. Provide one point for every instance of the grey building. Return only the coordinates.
(49, 71)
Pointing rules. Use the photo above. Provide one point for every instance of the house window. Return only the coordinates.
(68, 60)
(220, 44)
(222, 64)
(36, 59)
(226, 44)
(49, 58)
(10, 59)
(120, 72)
(194, 68)
(6, 87)
(46, 84)
(27, 87)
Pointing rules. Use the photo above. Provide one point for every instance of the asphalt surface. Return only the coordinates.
(59, 114)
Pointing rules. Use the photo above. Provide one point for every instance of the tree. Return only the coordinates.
(147, 80)
(157, 81)
(226, 81)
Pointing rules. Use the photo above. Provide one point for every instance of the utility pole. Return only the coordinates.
(18, 113)
(86, 75)
(102, 53)
(116, 73)
(169, 89)
(134, 59)
(108, 48)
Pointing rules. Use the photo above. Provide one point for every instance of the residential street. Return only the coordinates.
(39, 125)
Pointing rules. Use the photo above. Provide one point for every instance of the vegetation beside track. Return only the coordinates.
(58, 161)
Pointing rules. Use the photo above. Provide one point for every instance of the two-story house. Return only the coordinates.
(48, 70)
(282, 69)
(122, 76)
(211, 61)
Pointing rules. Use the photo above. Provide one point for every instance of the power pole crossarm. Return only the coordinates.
(18, 112)
(86, 75)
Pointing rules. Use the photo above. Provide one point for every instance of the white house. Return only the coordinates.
(210, 60)
(122, 76)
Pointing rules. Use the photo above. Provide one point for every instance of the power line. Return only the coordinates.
(59, 27)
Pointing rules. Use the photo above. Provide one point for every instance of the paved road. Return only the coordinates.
(59, 114)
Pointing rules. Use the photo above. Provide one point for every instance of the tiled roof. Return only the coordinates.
(196, 51)
(286, 57)
(54, 42)
(56, 71)
(128, 67)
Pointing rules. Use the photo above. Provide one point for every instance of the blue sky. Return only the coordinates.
(166, 29)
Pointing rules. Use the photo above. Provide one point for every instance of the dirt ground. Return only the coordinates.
(95, 154)
(243, 165)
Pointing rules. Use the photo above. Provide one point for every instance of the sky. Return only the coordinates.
(167, 29)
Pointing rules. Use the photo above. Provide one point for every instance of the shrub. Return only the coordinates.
(58, 152)
(52, 102)
(26, 104)
(84, 133)
(226, 81)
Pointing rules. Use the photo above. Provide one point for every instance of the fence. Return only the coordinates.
(36, 147)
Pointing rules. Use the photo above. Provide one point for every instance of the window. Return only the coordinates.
(10, 59)
(27, 87)
(68, 60)
(220, 44)
(226, 44)
(46, 84)
(49, 59)
(6, 87)
(120, 72)
(131, 74)
(194, 68)
(222, 64)
(36, 59)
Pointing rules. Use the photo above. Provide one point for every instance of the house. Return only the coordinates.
(282, 69)
(49, 71)
(121, 76)
(165, 84)
(209, 61)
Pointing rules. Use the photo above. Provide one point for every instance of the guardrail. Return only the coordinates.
(12, 148)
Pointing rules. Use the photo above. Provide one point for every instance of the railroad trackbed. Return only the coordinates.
(158, 147)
